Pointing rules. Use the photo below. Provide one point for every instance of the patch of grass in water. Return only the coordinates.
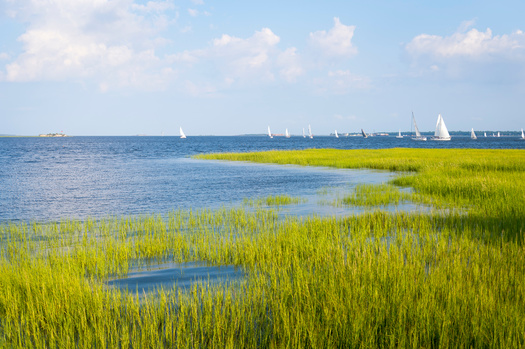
(273, 200)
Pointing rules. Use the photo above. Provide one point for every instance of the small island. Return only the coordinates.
(53, 135)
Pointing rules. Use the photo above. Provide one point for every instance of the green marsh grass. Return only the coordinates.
(378, 279)
(376, 195)
(273, 200)
(489, 183)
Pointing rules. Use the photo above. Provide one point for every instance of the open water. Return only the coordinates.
(46, 179)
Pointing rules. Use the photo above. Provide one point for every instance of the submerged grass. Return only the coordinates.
(378, 279)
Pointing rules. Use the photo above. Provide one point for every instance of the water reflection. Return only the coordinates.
(179, 275)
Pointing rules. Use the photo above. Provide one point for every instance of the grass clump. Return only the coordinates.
(273, 200)
(376, 195)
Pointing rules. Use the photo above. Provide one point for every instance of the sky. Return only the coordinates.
(125, 67)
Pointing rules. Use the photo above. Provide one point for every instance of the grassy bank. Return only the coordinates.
(488, 184)
(377, 279)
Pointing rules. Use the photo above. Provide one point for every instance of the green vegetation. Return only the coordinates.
(451, 278)
(272, 200)
(377, 195)
(489, 183)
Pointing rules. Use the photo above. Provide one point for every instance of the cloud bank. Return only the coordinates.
(118, 43)
(467, 53)
(111, 41)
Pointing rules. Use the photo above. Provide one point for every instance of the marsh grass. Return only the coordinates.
(376, 195)
(377, 279)
(486, 183)
(273, 200)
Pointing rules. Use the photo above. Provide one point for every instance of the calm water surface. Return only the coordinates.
(51, 178)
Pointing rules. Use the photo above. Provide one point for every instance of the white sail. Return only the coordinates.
(399, 135)
(304, 136)
(441, 133)
(522, 134)
(418, 136)
(472, 134)
(310, 132)
(484, 134)
(336, 135)
(364, 133)
(182, 135)
(287, 134)
(269, 132)
(498, 133)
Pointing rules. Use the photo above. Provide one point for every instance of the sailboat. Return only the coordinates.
(399, 135)
(269, 132)
(310, 132)
(364, 133)
(522, 135)
(182, 135)
(286, 134)
(336, 135)
(418, 136)
(304, 136)
(498, 133)
(484, 134)
(441, 133)
(472, 134)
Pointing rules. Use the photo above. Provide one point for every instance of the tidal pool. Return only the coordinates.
(181, 275)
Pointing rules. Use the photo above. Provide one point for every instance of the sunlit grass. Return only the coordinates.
(488, 183)
(449, 278)
(376, 195)
(273, 200)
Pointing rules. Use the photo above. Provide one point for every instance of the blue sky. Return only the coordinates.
(124, 67)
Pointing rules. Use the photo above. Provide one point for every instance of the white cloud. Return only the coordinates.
(290, 65)
(193, 12)
(241, 58)
(465, 25)
(247, 60)
(470, 55)
(110, 42)
(337, 42)
(197, 2)
(472, 44)
(4, 56)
